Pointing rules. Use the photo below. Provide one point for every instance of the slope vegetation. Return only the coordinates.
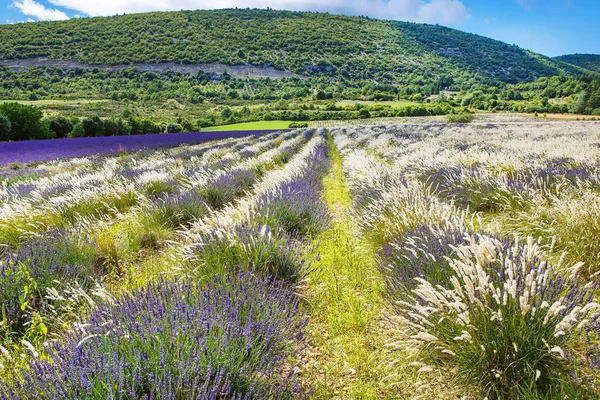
(587, 61)
(348, 48)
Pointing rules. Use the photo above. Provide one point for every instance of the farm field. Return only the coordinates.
(403, 260)
(54, 149)
(250, 126)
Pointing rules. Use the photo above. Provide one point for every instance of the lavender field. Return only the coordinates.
(53, 149)
(407, 261)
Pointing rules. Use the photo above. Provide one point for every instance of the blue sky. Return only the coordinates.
(550, 27)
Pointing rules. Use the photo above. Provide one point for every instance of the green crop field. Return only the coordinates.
(250, 126)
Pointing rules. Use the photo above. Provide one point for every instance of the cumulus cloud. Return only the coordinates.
(34, 9)
(446, 12)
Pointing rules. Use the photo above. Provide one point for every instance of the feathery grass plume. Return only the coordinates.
(175, 340)
(506, 315)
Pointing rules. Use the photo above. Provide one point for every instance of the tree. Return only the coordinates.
(4, 128)
(111, 127)
(26, 122)
(579, 106)
(187, 126)
(60, 125)
(226, 113)
(135, 126)
(93, 126)
(593, 100)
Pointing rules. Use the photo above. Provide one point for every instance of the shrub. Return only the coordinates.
(173, 128)
(464, 118)
(77, 131)
(92, 126)
(148, 126)
(364, 113)
(283, 156)
(187, 126)
(36, 266)
(505, 321)
(158, 187)
(479, 191)
(420, 253)
(174, 211)
(299, 125)
(227, 187)
(296, 208)
(111, 127)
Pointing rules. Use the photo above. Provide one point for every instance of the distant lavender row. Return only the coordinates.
(47, 150)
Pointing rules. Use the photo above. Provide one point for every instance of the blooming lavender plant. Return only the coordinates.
(36, 266)
(421, 253)
(227, 187)
(252, 247)
(172, 341)
(296, 208)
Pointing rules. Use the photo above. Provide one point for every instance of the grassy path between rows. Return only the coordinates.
(346, 358)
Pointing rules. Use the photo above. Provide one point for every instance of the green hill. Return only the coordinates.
(587, 61)
(310, 44)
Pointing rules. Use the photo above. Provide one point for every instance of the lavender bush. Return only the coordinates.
(36, 266)
(251, 247)
(175, 341)
(227, 187)
(296, 208)
(420, 253)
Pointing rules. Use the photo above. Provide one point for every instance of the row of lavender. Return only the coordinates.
(472, 304)
(224, 336)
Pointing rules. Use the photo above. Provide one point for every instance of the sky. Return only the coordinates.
(549, 27)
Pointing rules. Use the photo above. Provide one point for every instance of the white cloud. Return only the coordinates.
(39, 11)
(432, 11)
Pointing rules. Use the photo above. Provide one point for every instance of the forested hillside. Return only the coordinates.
(344, 48)
(587, 61)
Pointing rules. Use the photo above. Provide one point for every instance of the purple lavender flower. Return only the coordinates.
(176, 340)
(55, 256)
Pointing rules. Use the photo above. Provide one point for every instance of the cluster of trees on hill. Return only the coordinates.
(350, 48)
(559, 94)
(133, 84)
(590, 62)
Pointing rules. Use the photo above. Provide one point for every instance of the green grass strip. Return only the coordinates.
(346, 357)
(250, 126)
